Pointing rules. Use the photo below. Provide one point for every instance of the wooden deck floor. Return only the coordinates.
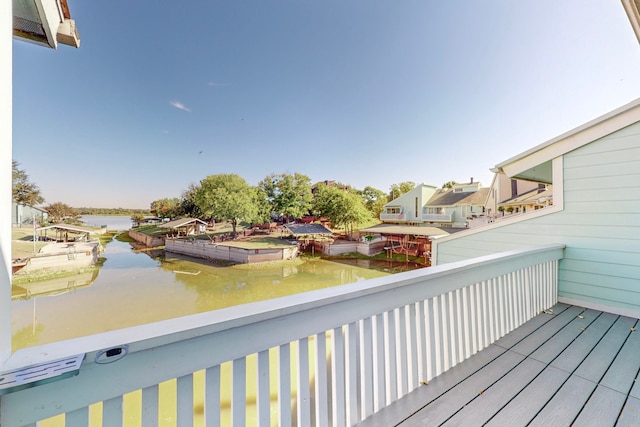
(573, 367)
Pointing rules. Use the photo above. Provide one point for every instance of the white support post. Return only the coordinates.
(6, 88)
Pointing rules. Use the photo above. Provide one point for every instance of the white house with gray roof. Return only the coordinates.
(447, 207)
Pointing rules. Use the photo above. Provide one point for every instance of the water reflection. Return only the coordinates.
(133, 288)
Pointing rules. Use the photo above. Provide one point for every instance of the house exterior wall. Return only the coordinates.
(408, 203)
(599, 225)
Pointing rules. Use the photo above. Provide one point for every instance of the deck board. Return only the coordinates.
(526, 405)
(597, 362)
(483, 407)
(573, 366)
(566, 404)
(630, 415)
(602, 407)
(621, 374)
(452, 401)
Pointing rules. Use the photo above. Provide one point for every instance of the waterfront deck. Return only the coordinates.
(568, 366)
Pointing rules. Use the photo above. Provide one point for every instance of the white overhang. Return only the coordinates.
(44, 22)
(632, 7)
(535, 164)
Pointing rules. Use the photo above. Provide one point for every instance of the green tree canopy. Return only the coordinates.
(289, 195)
(227, 197)
(25, 192)
(166, 208)
(374, 200)
(60, 212)
(342, 208)
(449, 184)
(397, 190)
(188, 206)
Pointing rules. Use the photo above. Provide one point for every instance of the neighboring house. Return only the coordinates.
(532, 200)
(456, 206)
(503, 188)
(407, 209)
(22, 215)
(595, 173)
(447, 207)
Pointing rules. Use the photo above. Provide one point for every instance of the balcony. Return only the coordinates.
(379, 340)
(437, 217)
(393, 217)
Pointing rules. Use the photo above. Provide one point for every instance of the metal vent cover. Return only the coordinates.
(38, 374)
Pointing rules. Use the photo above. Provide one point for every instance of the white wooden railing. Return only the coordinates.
(437, 217)
(392, 217)
(375, 341)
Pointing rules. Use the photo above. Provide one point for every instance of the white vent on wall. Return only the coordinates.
(42, 372)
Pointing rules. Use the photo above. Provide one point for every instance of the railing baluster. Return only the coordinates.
(284, 385)
(401, 354)
(413, 344)
(185, 400)
(239, 392)
(112, 412)
(473, 317)
(366, 357)
(445, 319)
(212, 396)
(392, 363)
(466, 324)
(322, 405)
(352, 374)
(432, 337)
(150, 406)
(379, 368)
(304, 398)
(263, 392)
(338, 378)
(457, 332)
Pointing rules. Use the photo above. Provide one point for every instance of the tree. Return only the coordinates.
(136, 218)
(227, 197)
(187, 205)
(60, 212)
(289, 195)
(374, 200)
(263, 207)
(397, 190)
(165, 208)
(24, 191)
(342, 208)
(449, 184)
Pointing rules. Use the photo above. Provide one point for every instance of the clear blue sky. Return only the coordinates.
(162, 94)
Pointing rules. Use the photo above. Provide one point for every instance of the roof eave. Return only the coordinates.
(632, 7)
(569, 141)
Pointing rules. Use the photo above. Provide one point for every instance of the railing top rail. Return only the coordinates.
(179, 329)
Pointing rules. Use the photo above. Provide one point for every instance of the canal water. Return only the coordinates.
(132, 288)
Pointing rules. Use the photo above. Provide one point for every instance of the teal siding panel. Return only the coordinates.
(603, 183)
(599, 224)
(607, 210)
(604, 170)
(607, 157)
(631, 272)
(622, 256)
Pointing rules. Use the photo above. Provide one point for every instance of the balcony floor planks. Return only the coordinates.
(575, 366)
